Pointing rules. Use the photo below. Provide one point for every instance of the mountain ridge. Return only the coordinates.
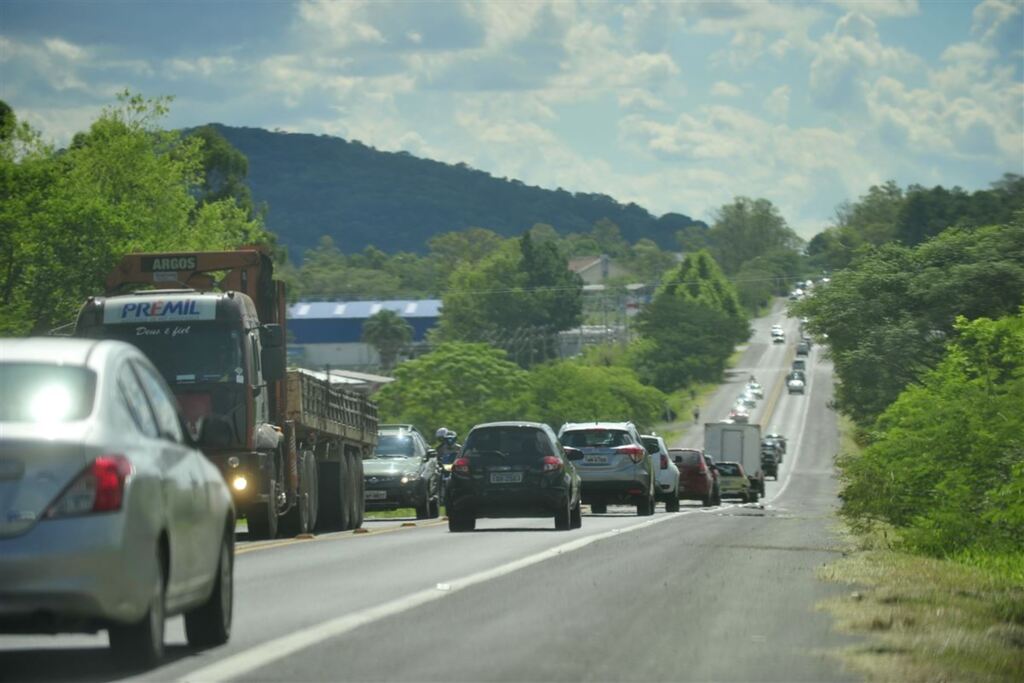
(316, 185)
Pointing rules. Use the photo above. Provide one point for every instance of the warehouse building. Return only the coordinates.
(322, 333)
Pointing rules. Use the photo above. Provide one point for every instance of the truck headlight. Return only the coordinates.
(239, 483)
(233, 462)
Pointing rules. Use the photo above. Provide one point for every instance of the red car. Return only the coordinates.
(697, 480)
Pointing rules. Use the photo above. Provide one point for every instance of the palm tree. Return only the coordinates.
(387, 332)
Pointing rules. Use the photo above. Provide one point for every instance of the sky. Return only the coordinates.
(675, 106)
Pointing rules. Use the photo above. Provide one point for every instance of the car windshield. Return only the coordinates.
(729, 469)
(185, 353)
(395, 446)
(511, 442)
(689, 458)
(595, 438)
(651, 444)
(43, 392)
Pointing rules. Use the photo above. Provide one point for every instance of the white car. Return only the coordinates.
(795, 383)
(109, 518)
(755, 389)
(665, 471)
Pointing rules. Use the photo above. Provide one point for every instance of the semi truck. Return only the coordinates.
(737, 442)
(290, 444)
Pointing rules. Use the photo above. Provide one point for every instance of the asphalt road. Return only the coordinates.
(716, 594)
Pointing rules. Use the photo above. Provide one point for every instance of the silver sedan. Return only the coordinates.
(109, 517)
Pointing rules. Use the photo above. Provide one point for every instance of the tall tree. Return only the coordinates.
(389, 333)
(124, 185)
(746, 229)
(691, 326)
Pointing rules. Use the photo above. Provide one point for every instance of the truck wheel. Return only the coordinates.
(672, 504)
(329, 498)
(209, 625)
(347, 491)
(360, 492)
(142, 643)
(261, 518)
(301, 519)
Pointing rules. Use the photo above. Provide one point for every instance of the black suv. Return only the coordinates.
(514, 469)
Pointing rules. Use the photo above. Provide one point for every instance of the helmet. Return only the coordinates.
(451, 434)
(441, 433)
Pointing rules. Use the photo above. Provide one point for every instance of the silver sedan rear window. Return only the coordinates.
(43, 392)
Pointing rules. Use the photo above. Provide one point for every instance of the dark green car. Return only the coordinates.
(514, 469)
(403, 472)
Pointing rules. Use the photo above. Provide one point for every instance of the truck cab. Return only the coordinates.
(212, 352)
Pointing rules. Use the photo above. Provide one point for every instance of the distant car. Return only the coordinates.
(776, 329)
(770, 461)
(779, 441)
(616, 468)
(514, 469)
(779, 338)
(799, 364)
(796, 383)
(109, 517)
(696, 481)
(746, 400)
(739, 414)
(803, 348)
(733, 481)
(755, 389)
(403, 473)
(666, 472)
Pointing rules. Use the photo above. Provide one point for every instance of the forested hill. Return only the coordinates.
(318, 185)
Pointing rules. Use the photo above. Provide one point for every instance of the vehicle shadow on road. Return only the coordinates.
(78, 664)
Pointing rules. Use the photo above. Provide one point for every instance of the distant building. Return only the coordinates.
(330, 332)
(595, 270)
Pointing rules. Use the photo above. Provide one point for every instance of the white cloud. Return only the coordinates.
(881, 8)
(66, 50)
(206, 67)
(345, 22)
(777, 103)
(726, 89)
(999, 22)
(848, 58)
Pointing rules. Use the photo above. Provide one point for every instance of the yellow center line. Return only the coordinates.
(769, 408)
(334, 536)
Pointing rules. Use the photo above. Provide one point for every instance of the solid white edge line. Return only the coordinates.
(261, 654)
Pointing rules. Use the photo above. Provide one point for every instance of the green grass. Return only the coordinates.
(926, 618)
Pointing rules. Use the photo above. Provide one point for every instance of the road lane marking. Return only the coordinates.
(262, 654)
(331, 536)
(799, 438)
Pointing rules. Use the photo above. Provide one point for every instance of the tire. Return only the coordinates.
(360, 492)
(563, 517)
(347, 490)
(708, 500)
(423, 511)
(142, 644)
(301, 519)
(209, 625)
(753, 496)
(672, 504)
(461, 522)
(435, 502)
(329, 485)
(599, 508)
(744, 498)
(718, 496)
(261, 518)
(645, 508)
(576, 517)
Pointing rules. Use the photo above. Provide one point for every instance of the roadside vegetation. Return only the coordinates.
(926, 333)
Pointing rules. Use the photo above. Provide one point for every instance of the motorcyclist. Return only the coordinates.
(447, 447)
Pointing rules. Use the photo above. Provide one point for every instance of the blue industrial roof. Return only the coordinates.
(422, 308)
(336, 322)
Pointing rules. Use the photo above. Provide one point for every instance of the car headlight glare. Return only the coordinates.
(239, 483)
(233, 461)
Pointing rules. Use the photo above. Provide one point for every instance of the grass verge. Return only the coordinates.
(924, 618)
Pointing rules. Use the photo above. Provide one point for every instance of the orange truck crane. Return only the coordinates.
(289, 443)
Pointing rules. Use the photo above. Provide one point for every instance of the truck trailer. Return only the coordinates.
(737, 442)
(289, 444)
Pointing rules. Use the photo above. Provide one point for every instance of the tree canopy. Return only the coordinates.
(124, 185)
(389, 333)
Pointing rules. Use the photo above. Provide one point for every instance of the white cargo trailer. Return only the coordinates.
(737, 442)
